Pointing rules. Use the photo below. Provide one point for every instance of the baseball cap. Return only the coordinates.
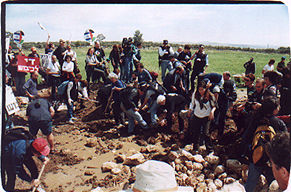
(40, 144)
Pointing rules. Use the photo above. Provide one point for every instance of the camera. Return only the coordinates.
(126, 42)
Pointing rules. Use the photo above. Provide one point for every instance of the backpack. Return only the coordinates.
(62, 87)
(17, 134)
(263, 135)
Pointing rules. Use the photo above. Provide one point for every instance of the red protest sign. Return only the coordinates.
(27, 64)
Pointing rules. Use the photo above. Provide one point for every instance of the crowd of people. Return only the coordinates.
(132, 91)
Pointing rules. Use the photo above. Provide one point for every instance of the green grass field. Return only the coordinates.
(219, 61)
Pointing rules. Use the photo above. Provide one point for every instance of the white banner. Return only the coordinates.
(11, 103)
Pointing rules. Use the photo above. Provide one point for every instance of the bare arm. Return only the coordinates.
(52, 111)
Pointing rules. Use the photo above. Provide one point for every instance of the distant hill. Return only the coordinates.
(231, 45)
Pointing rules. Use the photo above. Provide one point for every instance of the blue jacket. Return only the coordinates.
(15, 154)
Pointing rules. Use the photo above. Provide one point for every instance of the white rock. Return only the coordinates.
(233, 164)
(91, 142)
(229, 180)
(189, 165)
(152, 148)
(108, 166)
(274, 187)
(201, 187)
(120, 158)
(135, 159)
(115, 171)
(211, 176)
(222, 176)
(197, 166)
(188, 155)
(211, 187)
(212, 159)
(198, 158)
(219, 169)
(188, 147)
(173, 155)
(218, 183)
(201, 178)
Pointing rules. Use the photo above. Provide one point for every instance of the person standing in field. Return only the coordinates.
(250, 66)
(164, 62)
(200, 64)
(115, 57)
(49, 47)
(281, 64)
(59, 52)
(268, 67)
(53, 71)
(137, 56)
(184, 58)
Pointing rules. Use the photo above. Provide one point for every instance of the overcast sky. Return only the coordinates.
(259, 24)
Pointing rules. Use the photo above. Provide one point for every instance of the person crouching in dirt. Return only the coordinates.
(117, 86)
(129, 99)
(39, 114)
(71, 94)
(18, 153)
(173, 103)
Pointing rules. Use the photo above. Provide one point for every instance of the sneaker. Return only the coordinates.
(71, 122)
(74, 118)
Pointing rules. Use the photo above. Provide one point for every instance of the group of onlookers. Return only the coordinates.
(136, 93)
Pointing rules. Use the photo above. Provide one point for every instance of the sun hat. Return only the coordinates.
(40, 144)
(156, 176)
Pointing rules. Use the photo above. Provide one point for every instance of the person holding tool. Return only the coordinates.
(18, 153)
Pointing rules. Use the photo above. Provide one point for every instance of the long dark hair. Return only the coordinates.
(265, 112)
(207, 94)
(89, 50)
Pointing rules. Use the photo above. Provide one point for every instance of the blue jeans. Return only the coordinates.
(135, 115)
(165, 64)
(254, 175)
(70, 107)
(153, 111)
(128, 68)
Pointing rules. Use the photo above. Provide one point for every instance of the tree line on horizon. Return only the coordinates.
(137, 38)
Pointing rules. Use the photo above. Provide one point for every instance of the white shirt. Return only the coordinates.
(54, 67)
(162, 52)
(72, 54)
(268, 68)
(81, 89)
(68, 67)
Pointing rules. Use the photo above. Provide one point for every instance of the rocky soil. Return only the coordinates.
(94, 152)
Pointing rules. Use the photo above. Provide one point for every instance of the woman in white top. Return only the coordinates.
(201, 111)
(70, 52)
(91, 62)
(68, 69)
(268, 67)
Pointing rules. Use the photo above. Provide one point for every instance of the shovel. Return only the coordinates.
(34, 188)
